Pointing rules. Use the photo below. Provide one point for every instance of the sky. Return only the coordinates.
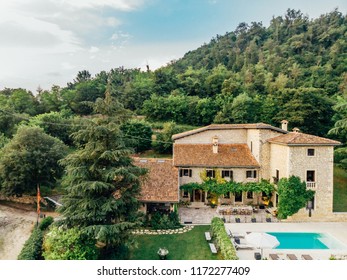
(46, 42)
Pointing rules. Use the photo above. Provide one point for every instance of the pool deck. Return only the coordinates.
(335, 229)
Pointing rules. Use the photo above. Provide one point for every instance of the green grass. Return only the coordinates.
(185, 246)
(340, 190)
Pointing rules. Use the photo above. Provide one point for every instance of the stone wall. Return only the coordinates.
(322, 164)
(231, 136)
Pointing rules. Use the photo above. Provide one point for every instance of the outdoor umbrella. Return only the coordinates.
(262, 240)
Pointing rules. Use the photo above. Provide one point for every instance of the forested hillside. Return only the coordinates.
(294, 69)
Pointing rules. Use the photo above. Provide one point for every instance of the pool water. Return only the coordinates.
(300, 240)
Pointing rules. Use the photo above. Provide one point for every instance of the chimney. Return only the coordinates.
(296, 130)
(215, 144)
(284, 125)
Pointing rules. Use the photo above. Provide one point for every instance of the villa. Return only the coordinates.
(242, 153)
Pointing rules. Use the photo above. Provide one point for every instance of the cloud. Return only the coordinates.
(123, 5)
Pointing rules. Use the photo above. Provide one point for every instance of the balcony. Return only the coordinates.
(311, 185)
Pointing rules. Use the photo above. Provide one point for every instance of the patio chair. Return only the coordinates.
(274, 257)
(306, 257)
(291, 257)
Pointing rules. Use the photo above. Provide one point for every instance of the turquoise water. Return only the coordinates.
(299, 240)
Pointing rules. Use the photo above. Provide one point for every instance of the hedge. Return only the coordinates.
(223, 241)
(32, 249)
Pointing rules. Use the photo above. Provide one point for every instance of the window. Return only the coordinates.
(249, 195)
(251, 174)
(238, 197)
(210, 173)
(185, 173)
(185, 194)
(227, 174)
(310, 203)
(227, 195)
(310, 176)
(310, 152)
(277, 177)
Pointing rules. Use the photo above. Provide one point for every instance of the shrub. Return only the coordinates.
(223, 241)
(165, 221)
(69, 244)
(45, 223)
(32, 249)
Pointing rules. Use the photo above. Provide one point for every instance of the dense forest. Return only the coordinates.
(294, 69)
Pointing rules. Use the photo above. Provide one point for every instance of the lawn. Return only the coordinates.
(340, 190)
(186, 246)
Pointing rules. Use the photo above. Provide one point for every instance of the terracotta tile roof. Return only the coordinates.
(298, 138)
(160, 184)
(228, 127)
(229, 155)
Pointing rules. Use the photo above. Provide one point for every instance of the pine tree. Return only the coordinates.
(101, 182)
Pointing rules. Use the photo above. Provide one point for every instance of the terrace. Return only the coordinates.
(245, 214)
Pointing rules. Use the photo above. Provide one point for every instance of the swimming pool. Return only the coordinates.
(303, 240)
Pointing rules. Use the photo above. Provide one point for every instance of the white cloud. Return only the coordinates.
(94, 49)
(123, 5)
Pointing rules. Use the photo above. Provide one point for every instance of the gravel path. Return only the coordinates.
(15, 228)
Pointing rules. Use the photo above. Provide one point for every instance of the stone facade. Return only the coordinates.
(278, 153)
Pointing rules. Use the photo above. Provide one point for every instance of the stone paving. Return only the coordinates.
(204, 215)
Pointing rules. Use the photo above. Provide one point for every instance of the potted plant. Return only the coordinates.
(268, 218)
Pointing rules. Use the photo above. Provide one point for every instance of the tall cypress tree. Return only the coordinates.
(101, 182)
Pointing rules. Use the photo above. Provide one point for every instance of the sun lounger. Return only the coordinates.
(242, 246)
(291, 257)
(306, 257)
(229, 232)
(274, 257)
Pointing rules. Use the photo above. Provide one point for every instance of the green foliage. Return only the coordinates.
(293, 196)
(69, 244)
(45, 223)
(138, 135)
(3, 140)
(165, 221)
(163, 142)
(101, 182)
(179, 108)
(32, 249)
(223, 240)
(29, 159)
(221, 188)
(56, 124)
(340, 157)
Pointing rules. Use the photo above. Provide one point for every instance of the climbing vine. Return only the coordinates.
(213, 186)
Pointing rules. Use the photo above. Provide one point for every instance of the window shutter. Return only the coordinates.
(190, 173)
(181, 172)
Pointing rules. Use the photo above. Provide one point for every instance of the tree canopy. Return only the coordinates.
(29, 159)
(101, 182)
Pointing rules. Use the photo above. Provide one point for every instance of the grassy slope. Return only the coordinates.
(340, 190)
(186, 246)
